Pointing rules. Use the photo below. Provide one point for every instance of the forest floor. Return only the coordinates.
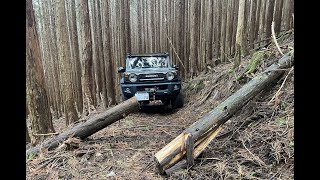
(256, 143)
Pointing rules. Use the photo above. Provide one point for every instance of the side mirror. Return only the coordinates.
(176, 67)
(121, 69)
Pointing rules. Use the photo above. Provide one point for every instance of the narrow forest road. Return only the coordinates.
(127, 146)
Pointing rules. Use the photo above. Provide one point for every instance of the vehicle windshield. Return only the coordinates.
(147, 62)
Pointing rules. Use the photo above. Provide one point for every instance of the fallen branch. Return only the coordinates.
(206, 97)
(125, 149)
(277, 93)
(255, 157)
(49, 134)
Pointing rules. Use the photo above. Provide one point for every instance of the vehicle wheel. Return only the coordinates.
(178, 101)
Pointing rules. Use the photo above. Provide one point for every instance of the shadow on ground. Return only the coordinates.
(157, 109)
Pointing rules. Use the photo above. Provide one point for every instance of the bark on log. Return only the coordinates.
(91, 126)
(202, 144)
(175, 150)
(189, 149)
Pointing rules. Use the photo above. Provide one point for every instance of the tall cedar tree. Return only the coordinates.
(85, 54)
(65, 62)
(240, 34)
(37, 99)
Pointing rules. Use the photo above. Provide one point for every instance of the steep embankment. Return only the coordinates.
(256, 143)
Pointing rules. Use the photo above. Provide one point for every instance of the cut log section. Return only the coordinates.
(92, 125)
(202, 144)
(206, 128)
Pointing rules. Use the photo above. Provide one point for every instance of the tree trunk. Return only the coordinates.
(228, 28)
(156, 32)
(186, 39)
(86, 54)
(289, 18)
(235, 24)
(92, 125)
(107, 52)
(37, 99)
(127, 27)
(71, 47)
(145, 27)
(140, 32)
(74, 44)
(240, 34)
(182, 37)
(257, 23)
(161, 25)
(100, 54)
(44, 44)
(209, 124)
(193, 39)
(252, 23)
(218, 28)
(171, 23)
(64, 61)
(52, 57)
(277, 16)
(144, 31)
(223, 32)
(50, 61)
(178, 33)
(167, 22)
(209, 30)
(95, 49)
(244, 49)
(231, 27)
(201, 39)
(55, 58)
(150, 24)
(262, 21)
(270, 11)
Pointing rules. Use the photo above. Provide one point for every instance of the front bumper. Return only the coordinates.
(157, 91)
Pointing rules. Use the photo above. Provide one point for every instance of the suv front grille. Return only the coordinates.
(152, 77)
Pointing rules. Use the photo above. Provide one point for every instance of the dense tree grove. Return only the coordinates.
(82, 42)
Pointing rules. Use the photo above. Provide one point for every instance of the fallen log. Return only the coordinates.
(91, 126)
(175, 150)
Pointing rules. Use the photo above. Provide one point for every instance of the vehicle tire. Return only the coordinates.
(178, 101)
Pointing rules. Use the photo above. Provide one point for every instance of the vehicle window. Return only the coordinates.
(147, 62)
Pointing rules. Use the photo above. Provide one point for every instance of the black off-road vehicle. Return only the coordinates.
(151, 77)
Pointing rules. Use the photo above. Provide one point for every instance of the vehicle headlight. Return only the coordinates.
(133, 77)
(170, 76)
